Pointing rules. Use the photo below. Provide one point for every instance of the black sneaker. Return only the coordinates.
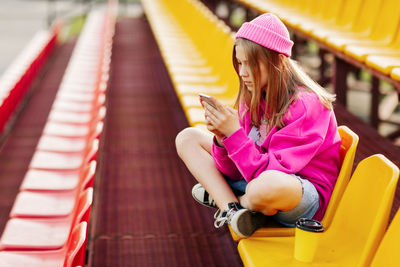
(243, 222)
(202, 196)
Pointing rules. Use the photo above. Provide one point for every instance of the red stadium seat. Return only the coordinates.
(73, 254)
(45, 234)
(50, 180)
(53, 203)
(45, 160)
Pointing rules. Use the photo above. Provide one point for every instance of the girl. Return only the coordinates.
(278, 155)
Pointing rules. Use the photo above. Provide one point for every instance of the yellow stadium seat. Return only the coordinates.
(384, 29)
(305, 9)
(383, 59)
(293, 11)
(343, 22)
(281, 8)
(324, 11)
(197, 49)
(362, 52)
(356, 229)
(383, 64)
(388, 254)
(366, 18)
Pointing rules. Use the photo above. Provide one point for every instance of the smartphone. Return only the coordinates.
(207, 98)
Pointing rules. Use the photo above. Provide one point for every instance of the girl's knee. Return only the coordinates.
(264, 190)
(186, 137)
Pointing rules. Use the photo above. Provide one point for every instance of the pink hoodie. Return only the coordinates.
(308, 145)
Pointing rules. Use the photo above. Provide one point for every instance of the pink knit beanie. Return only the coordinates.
(267, 30)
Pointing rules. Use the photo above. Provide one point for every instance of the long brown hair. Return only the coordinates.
(284, 80)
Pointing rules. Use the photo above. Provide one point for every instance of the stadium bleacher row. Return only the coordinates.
(201, 60)
(49, 220)
(19, 76)
(197, 47)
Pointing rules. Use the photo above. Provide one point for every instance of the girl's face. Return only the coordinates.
(245, 70)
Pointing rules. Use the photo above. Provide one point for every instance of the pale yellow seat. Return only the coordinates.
(356, 229)
(395, 74)
(383, 59)
(347, 152)
(384, 64)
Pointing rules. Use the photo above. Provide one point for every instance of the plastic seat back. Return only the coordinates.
(387, 24)
(310, 8)
(348, 147)
(328, 10)
(348, 13)
(76, 246)
(396, 40)
(363, 212)
(388, 251)
(88, 175)
(366, 16)
(82, 212)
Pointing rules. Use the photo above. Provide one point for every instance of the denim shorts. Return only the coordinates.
(307, 207)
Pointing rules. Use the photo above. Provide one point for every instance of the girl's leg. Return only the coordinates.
(194, 148)
(271, 192)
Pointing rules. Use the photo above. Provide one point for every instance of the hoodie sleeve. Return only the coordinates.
(222, 160)
(289, 149)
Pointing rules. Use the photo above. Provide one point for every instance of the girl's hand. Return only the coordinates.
(218, 136)
(224, 120)
(211, 128)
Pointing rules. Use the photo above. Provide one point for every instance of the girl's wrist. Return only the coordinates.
(232, 131)
(218, 141)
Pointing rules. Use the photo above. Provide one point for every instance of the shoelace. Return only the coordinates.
(217, 213)
(222, 217)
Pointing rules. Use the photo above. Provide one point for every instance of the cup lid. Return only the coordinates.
(309, 225)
